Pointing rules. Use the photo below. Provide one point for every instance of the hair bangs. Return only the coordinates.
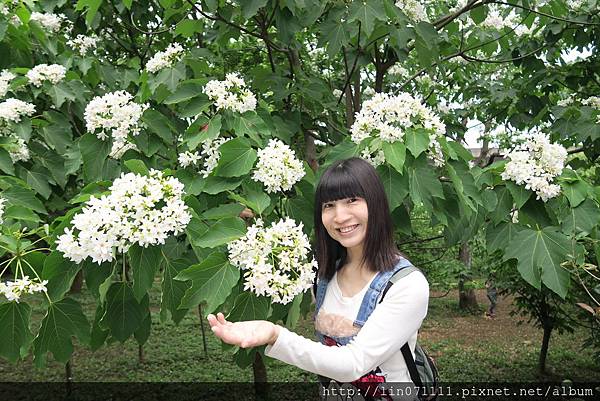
(338, 184)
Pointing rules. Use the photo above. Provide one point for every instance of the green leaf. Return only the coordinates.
(61, 92)
(98, 335)
(209, 132)
(395, 185)
(91, 7)
(576, 191)
(172, 75)
(185, 91)
(251, 7)
(95, 275)
(144, 264)
(6, 163)
(159, 124)
(221, 211)
(187, 28)
(519, 194)
(539, 254)
(24, 197)
(123, 314)
(214, 185)
(60, 273)
(173, 290)
(39, 182)
(237, 158)
(367, 12)
(582, 218)
(417, 141)
(335, 35)
(58, 133)
(14, 329)
(212, 281)
(248, 306)
(503, 206)
(423, 183)
(63, 320)
(426, 43)
(220, 233)
(94, 153)
(19, 212)
(136, 166)
(142, 333)
(254, 198)
(498, 237)
(395, 154)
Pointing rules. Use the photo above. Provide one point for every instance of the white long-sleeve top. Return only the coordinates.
(394, 321)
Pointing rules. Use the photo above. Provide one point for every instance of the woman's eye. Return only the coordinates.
(352, 200)
(326, 205)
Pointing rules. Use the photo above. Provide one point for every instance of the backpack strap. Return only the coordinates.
(406, 353)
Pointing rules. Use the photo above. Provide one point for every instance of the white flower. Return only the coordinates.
(2, 201)
(388, 117)
(535, 164)
(5, 78)
(278, 168)
(18, 151)
(565, 102)
(11, 110)
(231, 94)
(398, 70)
(375, 157)
(50, 22)
(115, 114)
(83, 44)
(413, 9)
(139, 210)
(592, 101)
(369, 92)
(337, 93)
(277, 260)
(165, 59)
(209, 156)
(14, 290)
(54, 73)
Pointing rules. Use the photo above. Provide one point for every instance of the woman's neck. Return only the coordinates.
(354, 257)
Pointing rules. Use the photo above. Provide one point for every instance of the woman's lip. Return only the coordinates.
(348, 232)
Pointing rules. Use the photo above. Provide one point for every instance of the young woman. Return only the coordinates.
(356, 256)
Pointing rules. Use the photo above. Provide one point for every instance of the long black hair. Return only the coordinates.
(349, 178)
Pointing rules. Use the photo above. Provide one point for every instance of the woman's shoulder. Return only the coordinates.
(414, 283)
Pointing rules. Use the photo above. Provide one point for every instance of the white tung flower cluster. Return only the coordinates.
(2, 201)
(231, 94)
(165, 59)
(50, 22)
(140, 210)
(277, 260)
(388, 117)
(5, 78)
(535, 164)
(115, 114)
(278, 168)
(53, 73)
(413, 9)
(18, 150)
(11, 110)
(209, 155)
(14, 290)
(83, 44)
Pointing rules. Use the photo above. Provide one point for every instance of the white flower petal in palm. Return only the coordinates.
(276, 260)
(277, 167)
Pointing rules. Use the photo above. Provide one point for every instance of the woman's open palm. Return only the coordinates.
(247, 334)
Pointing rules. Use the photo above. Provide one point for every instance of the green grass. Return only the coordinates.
(466, 348)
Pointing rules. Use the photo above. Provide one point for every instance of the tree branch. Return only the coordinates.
(544, 14)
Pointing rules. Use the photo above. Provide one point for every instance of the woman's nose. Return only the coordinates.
(341, 214)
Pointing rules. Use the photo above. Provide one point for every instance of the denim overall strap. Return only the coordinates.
(320, 295)
(378, 284)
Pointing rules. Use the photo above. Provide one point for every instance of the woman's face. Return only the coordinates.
(346, 221)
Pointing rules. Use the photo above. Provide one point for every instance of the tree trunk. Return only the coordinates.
(69, 377)
(141, 358)
(261, 386)
(201, 315)
(544, 350)
(357, 93)
(77, 283)
(466, 296)
(379, 74)
(310, 151)
(349, 107)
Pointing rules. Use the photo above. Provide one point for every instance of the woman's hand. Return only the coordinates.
(248, 334)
